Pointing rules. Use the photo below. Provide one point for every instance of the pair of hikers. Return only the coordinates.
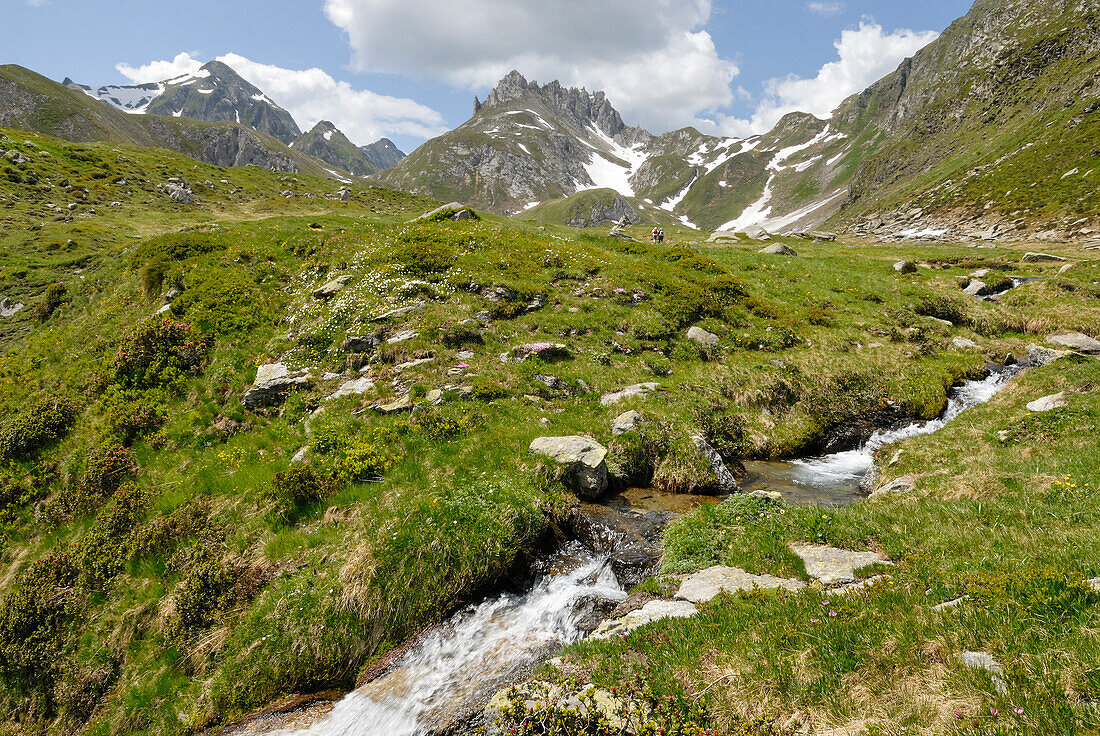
(658, 235)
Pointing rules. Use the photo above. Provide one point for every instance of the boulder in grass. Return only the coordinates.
(548, 351)
(332, 288)
(626, 422)
(638, 389)
(453, 211)
(727, 483)
(1048, 403)
(905, 267)
(1076, 341)
(273, 382)
(583, 462)
(1040, 257)
(779, 250)
(701, 336)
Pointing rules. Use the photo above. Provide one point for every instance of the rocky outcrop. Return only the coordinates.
(1076, 341)
(327, 143)
(582, 463)
(704, 585)
(273, 382)
(834, 566)
(638, 389)
(383, 153)
(724, 479)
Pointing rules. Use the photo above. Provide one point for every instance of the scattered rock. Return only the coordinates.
(769, 495)
(701, 336)
(1039, 356)
(178, 193)
(401, 404)
(411, 364)
(963, 343)
(401, 336)
(548, 351)
(7, 309)
(626, 422)
(1039, 257)
(301, 455)
(706, 584)
(947, 605)
(361, 343)
(647, 614)
(632, 566)
(273, 382)
(461, 212)
(399, 312)
(905, 267)
(834, 566)
(1048, 403)
(435, 396)
(727, 483)
(1095, 583)
(1076, 341)
(538, 302)
(977, 288)
(822, 235)
(904, 484)
(1065, 268)
(639, 389)
(778, 250)
(981, 273)
(582, 460)
(985, 661)
(354, 387)
(332, 288)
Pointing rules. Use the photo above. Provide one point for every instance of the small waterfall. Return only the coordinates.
(834, 479)
(452, 670)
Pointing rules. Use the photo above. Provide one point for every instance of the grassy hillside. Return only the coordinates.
(165, 567)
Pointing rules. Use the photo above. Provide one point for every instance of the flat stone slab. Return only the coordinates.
(1048, 403)
(647, 614)
(985, 661)
(1039, 356)
(332, 288)
(1040, 257)
(638, 389)
(778, 250)
(353, 387)
(401, 336)
(583, 461)
(1076, 341)
(904, 484)
(964, 344)
(626, 422)
(398, 312)
(832, 565)
(706, 584)
(948, 605)
(701, 336)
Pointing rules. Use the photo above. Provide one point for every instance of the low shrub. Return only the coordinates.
(767, 339)
(487, 389)
(55, 296)
(220, 301)
(458, 335)
(130, 417)
(1037, 592)
(426, 255)
(941, 307)
(366, 458)
(296, 487)
(106, 466)
(206, 588)
(444, 423)
(156, 353)
(43, 422)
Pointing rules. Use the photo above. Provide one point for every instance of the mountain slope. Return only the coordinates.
(215, 93)
(383, 153)
(29, 101)
(327, 143)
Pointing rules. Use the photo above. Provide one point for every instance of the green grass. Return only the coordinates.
(234, 589)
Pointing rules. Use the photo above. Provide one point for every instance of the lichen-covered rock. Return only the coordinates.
(779, 249)
(701, 336)
(332, 288)
(834, 566)
(704, 585)
(273, 382)
(1048, 403)
(647, 614)
(583, 463)
(638, 389)
(626, 422)
(1076, 341)
(726, 481)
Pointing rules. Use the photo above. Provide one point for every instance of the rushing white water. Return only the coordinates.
(835, 478)
(461, 664)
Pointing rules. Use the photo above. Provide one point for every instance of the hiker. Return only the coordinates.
(660, 235)
(654, 233)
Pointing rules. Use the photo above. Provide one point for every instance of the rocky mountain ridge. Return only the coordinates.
(950, 145)
(328, 144)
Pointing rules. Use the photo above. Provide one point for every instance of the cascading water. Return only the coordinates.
(455, 668)
(834, 479)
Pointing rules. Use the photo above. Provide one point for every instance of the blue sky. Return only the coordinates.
(408, 69)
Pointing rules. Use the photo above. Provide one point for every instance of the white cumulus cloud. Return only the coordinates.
(653, 58)
(311, 95)
(865, 55)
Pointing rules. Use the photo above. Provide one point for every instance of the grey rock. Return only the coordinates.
(360, 343)
(355, 386)
(701, 336)
(948, 605)
(963, 343)
(704, 585)
(822, 235)
(8, 309)
(1076, 341)
(647, 614)
(904, 484)
(301, 455)
(1095, 583)
(287, 194)
(727, 483)
(639, 389)
(1040, 257)
(617, 211)
(767, 495)
(401, 404)
(179, 193)
(398, 312)
(462, 212)
(1065, 268)
(984, 661)
(834, 566)
(401, 336)
(626, 422)
(333, 287)
(273, 382)
(538, 302)
(905, 267)
(981, 273)
(779, 250)
(1038, 356)
(977, 288)
(583, 462)
(1048, 403)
